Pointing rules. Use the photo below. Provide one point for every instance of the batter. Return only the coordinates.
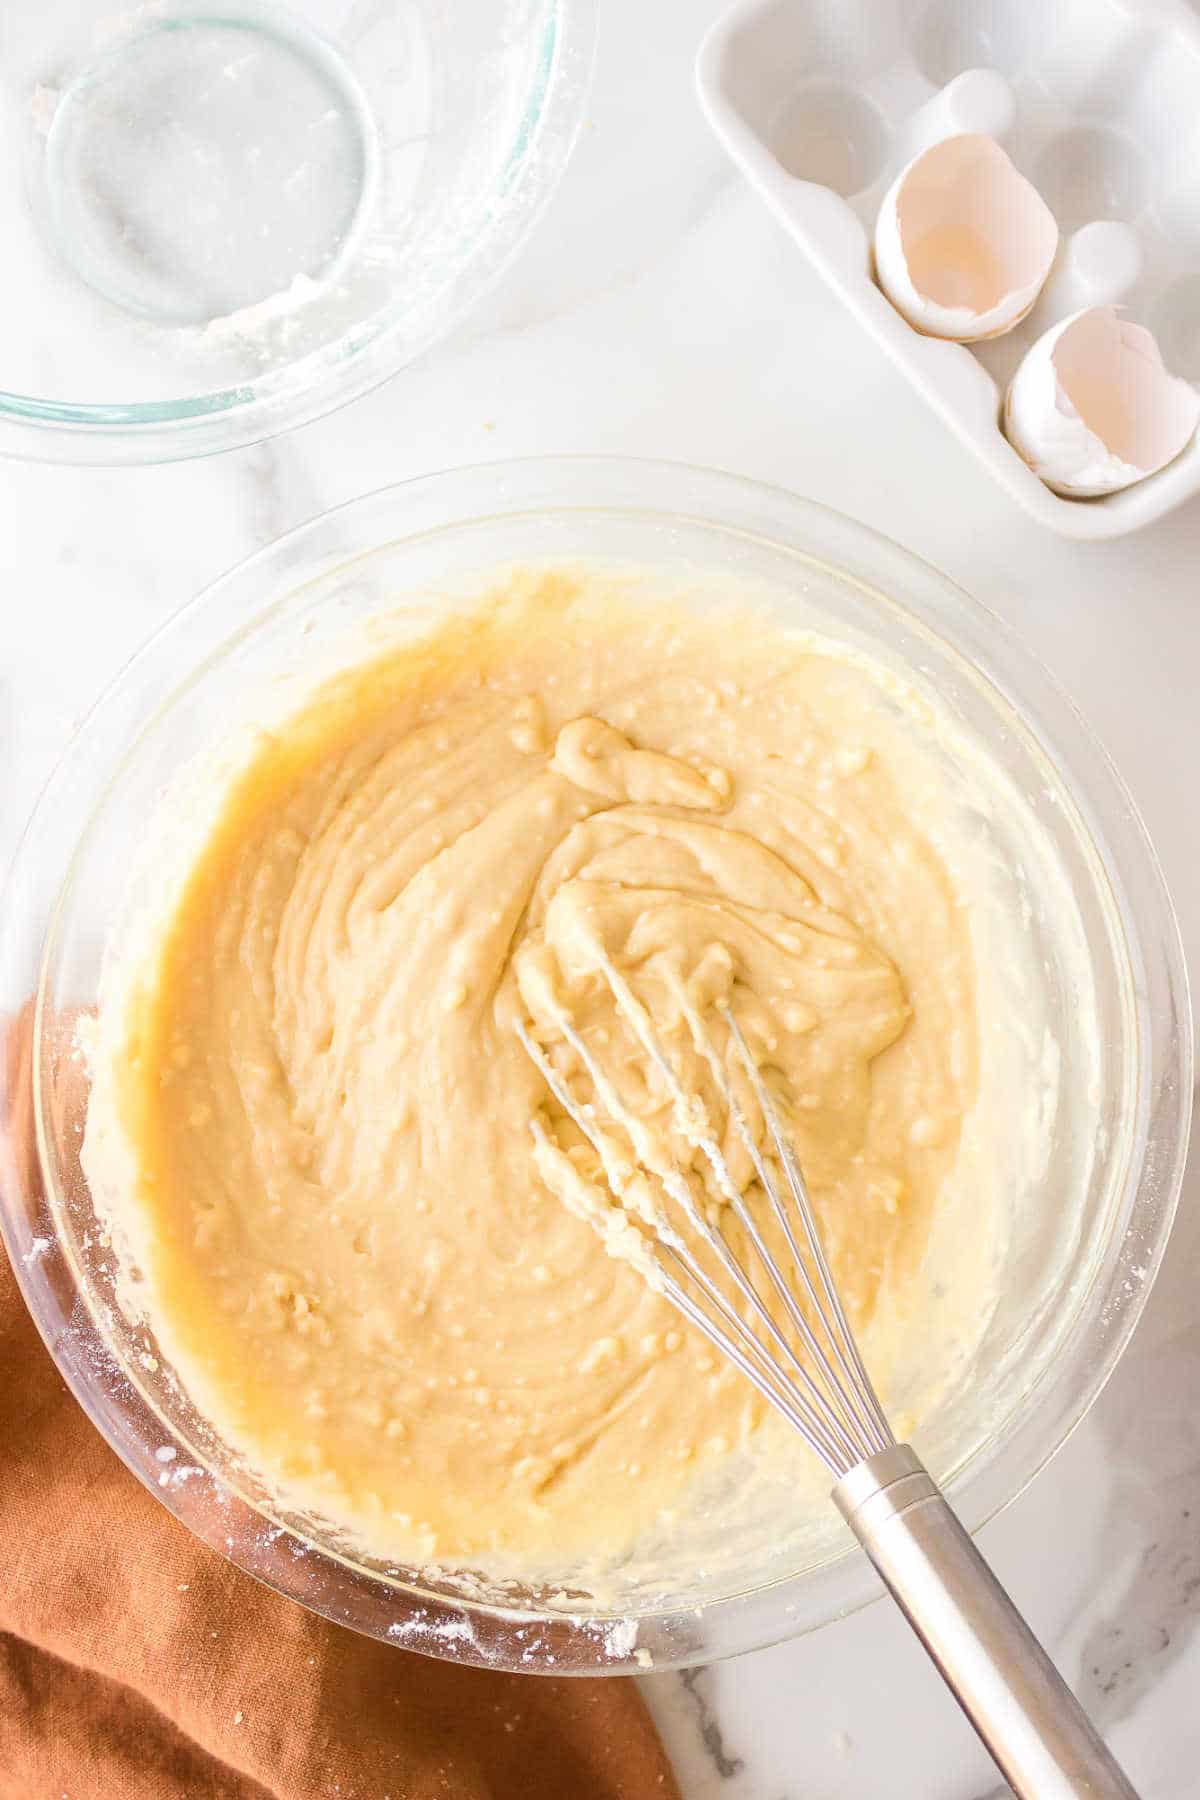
(348, 1178)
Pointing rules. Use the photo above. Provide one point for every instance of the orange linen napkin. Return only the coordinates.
(136, 1665)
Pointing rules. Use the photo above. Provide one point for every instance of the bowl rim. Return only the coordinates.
(243, 413)
(581, 1645)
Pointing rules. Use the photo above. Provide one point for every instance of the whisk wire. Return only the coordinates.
(842, 1422)
(859, 1389)
(737, 1340)
(854, 1416)
(855, 1405)
(840, 1418)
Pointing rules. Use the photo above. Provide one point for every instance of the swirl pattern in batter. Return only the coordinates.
(354, 1246)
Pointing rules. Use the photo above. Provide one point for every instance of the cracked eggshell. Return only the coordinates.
(963, 243)
(1092, 407)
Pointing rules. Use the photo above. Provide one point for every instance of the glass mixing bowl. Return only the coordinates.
(1082, 1254)
(224, 217)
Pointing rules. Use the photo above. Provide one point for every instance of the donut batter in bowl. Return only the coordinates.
(351, 1242)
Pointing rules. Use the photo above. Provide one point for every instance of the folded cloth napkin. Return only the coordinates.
(135, 1664)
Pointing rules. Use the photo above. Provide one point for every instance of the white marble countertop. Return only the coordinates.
(658, 311)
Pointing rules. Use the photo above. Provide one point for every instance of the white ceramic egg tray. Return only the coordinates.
(822, 102)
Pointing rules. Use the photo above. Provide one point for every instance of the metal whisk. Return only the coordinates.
(1027, 1717)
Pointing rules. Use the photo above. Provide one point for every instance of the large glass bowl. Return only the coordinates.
(224, 217)
(1079, 1268)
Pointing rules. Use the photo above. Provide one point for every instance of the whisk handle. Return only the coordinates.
(1028, 1718)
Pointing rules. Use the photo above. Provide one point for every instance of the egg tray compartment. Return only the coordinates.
(821, 103)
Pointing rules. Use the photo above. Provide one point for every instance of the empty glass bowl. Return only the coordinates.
(223, 219)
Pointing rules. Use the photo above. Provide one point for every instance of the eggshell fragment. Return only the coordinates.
(963, 243)
(1092, 407)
